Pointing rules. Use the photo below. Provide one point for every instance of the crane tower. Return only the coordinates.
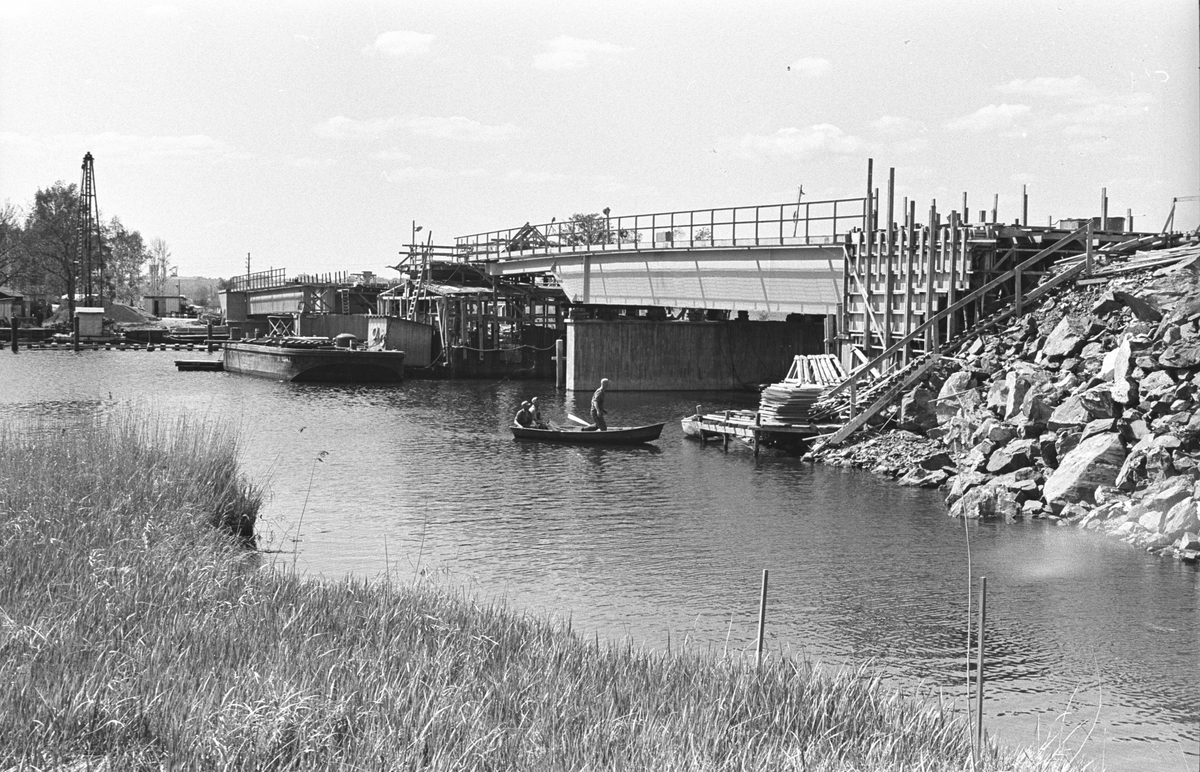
(89, 251)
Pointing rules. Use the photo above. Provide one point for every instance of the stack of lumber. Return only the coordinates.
(790, 400)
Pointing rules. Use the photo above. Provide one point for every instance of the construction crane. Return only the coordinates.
(89, 247)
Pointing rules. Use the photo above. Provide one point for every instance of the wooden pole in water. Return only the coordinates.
(762, 620)
(560, 363)
(979, 666)
(75, 332)
(14, 334)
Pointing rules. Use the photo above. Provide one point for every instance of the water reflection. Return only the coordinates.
(672, 539)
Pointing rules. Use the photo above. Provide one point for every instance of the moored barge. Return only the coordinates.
(312, 360)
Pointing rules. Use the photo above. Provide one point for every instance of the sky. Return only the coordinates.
(313, 135)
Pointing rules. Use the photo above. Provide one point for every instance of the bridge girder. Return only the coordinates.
(801, 279)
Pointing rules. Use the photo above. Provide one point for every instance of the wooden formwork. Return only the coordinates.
(902, 271)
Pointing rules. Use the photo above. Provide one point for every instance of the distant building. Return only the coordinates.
(12, 303)
(164, 305)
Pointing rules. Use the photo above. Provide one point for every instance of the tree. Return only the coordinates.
(12, 254)
(127, 254)
(586, 229)
(160, 265)
(49, 241)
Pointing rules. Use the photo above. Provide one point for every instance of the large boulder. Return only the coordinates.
(1159, 499)
(916, 413)
(1070, 414)
(1182, 353)
(1094, 461)
(1065, 340)
(1017, 454)
(987, 502)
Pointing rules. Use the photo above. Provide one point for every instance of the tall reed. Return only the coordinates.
(137, 635)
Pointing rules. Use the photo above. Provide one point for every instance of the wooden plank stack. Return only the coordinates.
(789, 400)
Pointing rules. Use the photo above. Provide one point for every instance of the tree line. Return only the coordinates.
(40, 252)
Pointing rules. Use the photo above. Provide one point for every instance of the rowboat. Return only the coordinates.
(616, 435)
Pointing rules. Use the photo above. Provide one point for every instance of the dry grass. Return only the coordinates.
(137, 636)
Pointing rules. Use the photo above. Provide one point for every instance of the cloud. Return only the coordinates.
(458, 128)
(891, 124)
(453, 128)
(397, 43)
(822, 138)
(810, 67)
(568, 53)
(989, 119)
(341, 127)
(1076, 88)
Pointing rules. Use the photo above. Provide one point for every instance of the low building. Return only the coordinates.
(164, 305)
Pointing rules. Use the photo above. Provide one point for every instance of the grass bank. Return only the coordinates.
(137, 635)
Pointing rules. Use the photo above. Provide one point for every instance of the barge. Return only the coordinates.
(313, 360)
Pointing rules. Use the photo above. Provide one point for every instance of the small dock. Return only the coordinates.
(749, 426)
(195, 365)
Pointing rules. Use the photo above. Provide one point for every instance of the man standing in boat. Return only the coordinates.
(598, 410)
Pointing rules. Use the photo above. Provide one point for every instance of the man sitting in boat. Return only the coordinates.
(524, 416)
(536, 411)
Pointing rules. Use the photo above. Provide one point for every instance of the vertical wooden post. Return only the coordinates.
(1103, 209)
(762, 620)
(965, 212)
(869, 242)
(952, 289)
(931, 242)
(853, 397)
(1025, 206)
(890, 255)
(560, 364)
(725, 433)
(979, 666)
(75, 331)
(1088, 250)
(910, 255)
(757, 431)
(14, 323)
(995, 208)
(1129, 221)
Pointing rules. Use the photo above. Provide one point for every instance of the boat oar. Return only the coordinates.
(578, 420)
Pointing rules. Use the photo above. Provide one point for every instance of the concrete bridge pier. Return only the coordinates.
(645, 355)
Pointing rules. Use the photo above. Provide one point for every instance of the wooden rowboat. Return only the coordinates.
(616, 435)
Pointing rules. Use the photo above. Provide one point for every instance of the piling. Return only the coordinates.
(75, 332)
(978, 666)
(762, 620)
(14, 323)
(560, 363)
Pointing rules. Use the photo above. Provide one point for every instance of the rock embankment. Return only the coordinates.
(1086, 410)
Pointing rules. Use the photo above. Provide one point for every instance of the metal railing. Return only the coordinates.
(806, 222)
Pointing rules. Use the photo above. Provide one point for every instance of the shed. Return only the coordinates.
(91, 322)
(163, 305)
(12, 303)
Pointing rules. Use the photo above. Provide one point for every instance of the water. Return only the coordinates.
(1091, 644)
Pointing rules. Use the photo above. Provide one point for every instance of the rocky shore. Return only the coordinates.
(1086, 410)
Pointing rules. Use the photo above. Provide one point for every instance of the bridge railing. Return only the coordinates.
(806, 222)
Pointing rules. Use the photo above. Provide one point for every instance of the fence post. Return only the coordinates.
(762, 620)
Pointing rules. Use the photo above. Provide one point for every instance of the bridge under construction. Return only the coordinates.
(715, 299)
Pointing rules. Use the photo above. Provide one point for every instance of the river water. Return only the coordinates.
(1092, 646)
